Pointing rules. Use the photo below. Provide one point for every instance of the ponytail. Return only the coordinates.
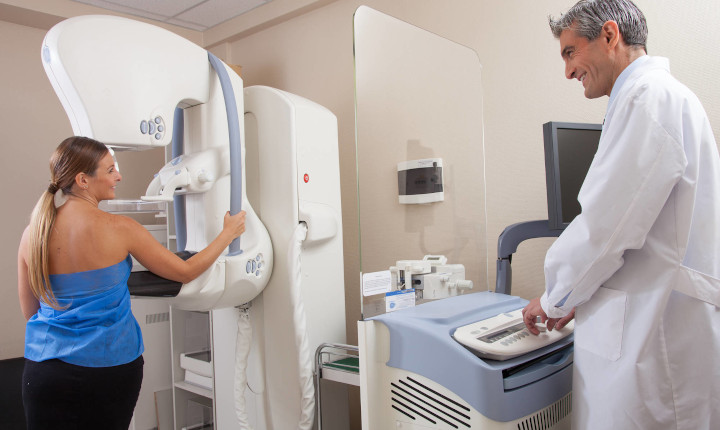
(41, 224)
(74, 155)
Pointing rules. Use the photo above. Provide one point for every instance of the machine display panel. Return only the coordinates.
(505, 336)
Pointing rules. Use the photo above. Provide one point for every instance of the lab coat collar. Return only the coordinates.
(643, 62)
(624, 75)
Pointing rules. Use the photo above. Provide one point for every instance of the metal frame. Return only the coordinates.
(328, 353)
(508, 242)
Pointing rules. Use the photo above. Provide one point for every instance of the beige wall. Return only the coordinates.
(32, 122)
(311, 55)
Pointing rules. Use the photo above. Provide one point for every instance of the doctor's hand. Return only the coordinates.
(558, 323)
(533, 310)
(530, 314)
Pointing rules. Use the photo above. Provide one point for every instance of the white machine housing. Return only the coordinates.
(146, 72)
(303, 151)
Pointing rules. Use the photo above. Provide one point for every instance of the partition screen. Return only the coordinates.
(419, 119)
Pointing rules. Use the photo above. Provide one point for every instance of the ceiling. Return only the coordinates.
(199, 15)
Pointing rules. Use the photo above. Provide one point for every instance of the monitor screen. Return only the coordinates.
(569, 151)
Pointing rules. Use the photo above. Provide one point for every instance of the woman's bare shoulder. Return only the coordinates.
(121, 224)
(25, 234)
(97, 224)
(24, 240)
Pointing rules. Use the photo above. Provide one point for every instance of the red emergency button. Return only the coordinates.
(306, 178)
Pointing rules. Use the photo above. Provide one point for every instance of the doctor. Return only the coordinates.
(641, 263)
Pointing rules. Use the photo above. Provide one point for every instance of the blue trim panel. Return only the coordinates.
(235, 143)
(179, 201)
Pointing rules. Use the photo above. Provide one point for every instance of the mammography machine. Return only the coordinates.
(135, 86)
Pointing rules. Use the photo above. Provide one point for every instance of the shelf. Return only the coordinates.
(132, 206)
(200, 391)
(345, 370)
(338, 362)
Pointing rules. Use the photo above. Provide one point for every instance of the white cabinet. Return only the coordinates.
(189, 333)
(153, 409)
(201, 401)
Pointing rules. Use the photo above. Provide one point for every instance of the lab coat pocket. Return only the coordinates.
(599, 323)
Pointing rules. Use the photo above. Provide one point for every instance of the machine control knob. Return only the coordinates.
(204, 176)
(539, 324)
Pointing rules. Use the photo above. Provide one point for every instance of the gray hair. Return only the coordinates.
(588, 16)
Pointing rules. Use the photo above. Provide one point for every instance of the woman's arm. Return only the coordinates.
(29, 304)
(159, 260)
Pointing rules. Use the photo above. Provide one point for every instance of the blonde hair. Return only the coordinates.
(74, 155)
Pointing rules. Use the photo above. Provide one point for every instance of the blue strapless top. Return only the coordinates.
(94, 327)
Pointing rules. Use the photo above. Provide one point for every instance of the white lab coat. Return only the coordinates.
(642, 264)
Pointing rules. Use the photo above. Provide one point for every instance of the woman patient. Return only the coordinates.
(83, 347)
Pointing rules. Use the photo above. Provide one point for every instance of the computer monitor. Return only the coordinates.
(569, 151)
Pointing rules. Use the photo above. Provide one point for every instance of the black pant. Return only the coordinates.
(58, 395)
